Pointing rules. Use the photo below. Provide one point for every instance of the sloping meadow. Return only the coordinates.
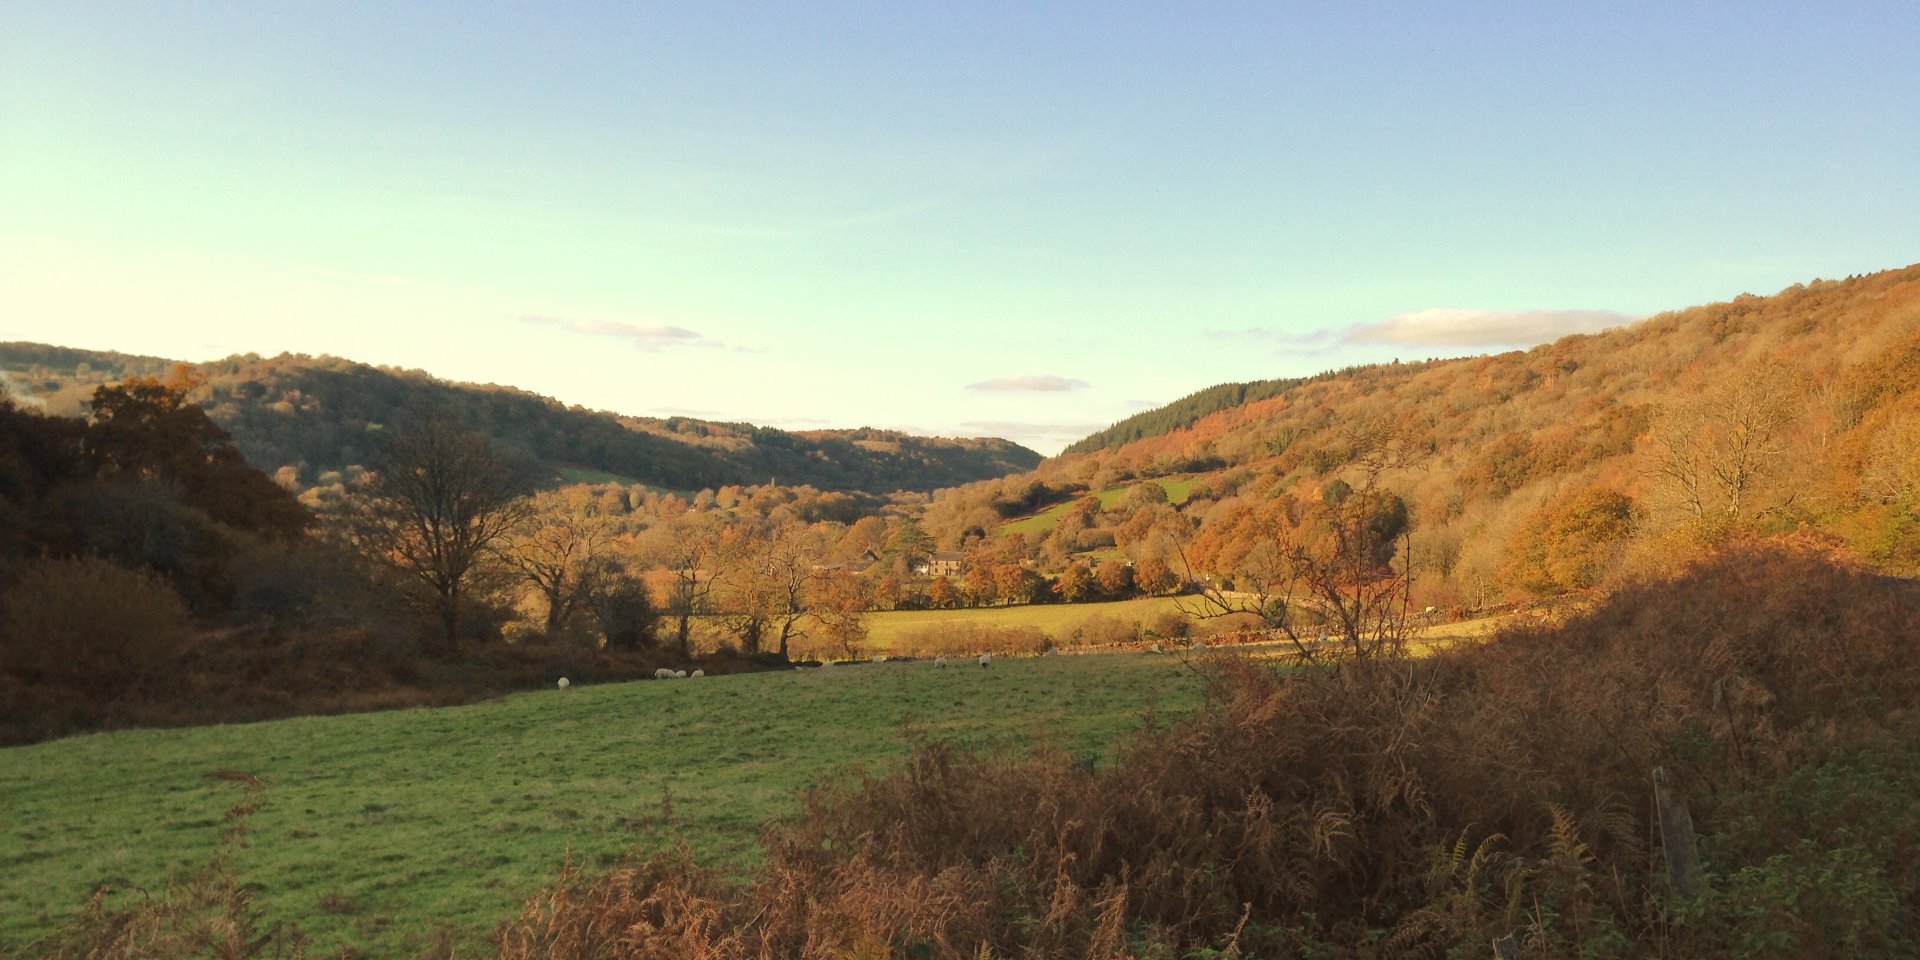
(1413, 808)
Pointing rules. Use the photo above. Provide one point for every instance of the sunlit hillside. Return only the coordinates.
(1797, 410)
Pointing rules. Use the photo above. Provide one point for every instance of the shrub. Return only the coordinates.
(968, 639)
(1102, 630)
(88, 625)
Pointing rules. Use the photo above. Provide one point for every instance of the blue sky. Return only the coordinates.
(1025, 220)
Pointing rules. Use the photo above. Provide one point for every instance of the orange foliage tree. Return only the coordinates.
(1570, 542)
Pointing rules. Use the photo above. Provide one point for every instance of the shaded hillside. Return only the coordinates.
(1180, 413)
(327, 414)
(1543, 470)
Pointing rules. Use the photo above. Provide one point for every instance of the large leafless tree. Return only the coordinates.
(433, 505)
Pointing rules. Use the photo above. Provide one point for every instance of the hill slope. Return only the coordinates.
(326, 414)
(1798, 410)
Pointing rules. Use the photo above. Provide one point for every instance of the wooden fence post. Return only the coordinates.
(1677, 843)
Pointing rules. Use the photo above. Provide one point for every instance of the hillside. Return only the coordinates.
(1797, 410)
(324, 414)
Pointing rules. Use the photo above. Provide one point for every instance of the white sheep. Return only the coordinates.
(664, 673)
(1158, 649)
(564, 683)
(985, 659)
(698, 673)
(679, 674)
(939, 661)
(879, 658)
(1050, 652)
(1199, 646)
(826, 663)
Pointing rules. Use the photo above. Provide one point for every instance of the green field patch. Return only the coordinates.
(1178, 489)
(377, 828)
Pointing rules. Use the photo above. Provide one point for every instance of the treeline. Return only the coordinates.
(314, 416)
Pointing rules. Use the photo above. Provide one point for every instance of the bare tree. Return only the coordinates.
(433, 505)
(769, 587)
(559, 548)
(1716, 456)
(689, 548)
(838, 601)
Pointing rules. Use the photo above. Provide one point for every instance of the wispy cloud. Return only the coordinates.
(1441, 327)
(651, 337)
(1448, 326)
(1039, 383)
(1019, 428)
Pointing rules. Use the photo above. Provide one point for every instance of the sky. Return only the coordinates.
(1025, 220)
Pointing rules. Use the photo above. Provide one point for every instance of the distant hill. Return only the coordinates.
(1796, 411)
(323, 414)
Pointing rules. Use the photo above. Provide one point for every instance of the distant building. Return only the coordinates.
(946, 563)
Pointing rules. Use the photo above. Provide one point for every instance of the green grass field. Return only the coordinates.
(1178, 488)
(890, 632)
(380, 827)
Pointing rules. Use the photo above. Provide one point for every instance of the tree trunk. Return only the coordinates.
(449, 604)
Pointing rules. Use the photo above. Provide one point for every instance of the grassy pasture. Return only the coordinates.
(380, 827)
(1178, 488)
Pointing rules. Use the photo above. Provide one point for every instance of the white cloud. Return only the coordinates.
(1448, 326)
(650, 337)
(1040, 383)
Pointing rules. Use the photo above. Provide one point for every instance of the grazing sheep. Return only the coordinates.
(679, 674)
(564, 683)
(698, 673)
(664, 673)
(985, 659)
(939, 661)
(826, 663)
(1159, 649)
(1050, 652)
(1199, 646)
(879, 658)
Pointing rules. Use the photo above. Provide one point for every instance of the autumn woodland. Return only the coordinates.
(1688, 544)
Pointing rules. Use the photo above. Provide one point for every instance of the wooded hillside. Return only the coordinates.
(321, 415)
(1539, 471)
